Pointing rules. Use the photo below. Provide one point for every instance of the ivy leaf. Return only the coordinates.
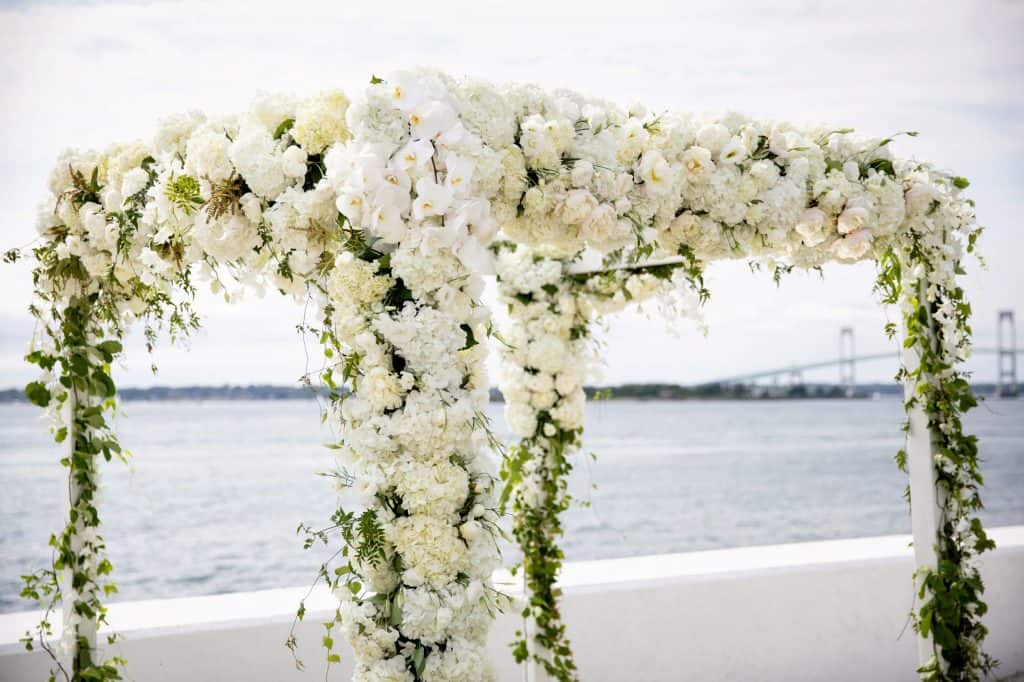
(111, 346)
(38, 394)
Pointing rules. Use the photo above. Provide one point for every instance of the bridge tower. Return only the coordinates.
(847, 362)
(1007, 385)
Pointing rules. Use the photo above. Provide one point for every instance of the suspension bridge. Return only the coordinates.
(1006, 352)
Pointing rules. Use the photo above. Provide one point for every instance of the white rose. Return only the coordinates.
(578, 206)
(293, 162)
(854, 245)
(603, 230)
(811, 226)
(852, 219)
(546, 353)
(713, 136)
(697, 162)
(582, 173)
(919, 198)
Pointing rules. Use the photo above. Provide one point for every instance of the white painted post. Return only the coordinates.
(87, 628)
(71, 650)
(925, 502)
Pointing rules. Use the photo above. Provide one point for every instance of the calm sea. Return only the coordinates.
(215, 490)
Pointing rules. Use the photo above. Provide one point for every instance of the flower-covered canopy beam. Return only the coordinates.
(385, 212)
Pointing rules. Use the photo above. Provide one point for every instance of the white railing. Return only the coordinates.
(831, 610)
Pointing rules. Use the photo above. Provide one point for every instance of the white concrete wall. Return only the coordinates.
(813, 611)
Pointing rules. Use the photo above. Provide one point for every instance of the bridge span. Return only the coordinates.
(1006, 353)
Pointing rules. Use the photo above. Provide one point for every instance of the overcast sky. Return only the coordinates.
(84, 74)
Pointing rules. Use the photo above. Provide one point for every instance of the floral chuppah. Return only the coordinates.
(385, 212)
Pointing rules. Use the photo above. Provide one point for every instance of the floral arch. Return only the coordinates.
(385, 212)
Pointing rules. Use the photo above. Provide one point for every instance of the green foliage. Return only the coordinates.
(81, 333)
(82, 365)
(183, 192)
(370, 547)
(37, 394)
(537, 531)
(950, 596)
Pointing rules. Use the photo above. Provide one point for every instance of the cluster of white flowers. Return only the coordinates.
(545, 345)
(412, 426)
(236, 192)
(559, 171)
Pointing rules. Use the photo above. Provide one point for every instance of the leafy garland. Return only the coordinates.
(78, 570)
(535, 471)
(81, 328)
(920, 277)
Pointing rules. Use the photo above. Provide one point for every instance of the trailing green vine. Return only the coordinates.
(919, 274)
(546, 355)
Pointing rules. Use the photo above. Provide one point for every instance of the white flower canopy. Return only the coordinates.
(385, 213)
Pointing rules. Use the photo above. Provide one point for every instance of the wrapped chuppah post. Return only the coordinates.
(384, 213)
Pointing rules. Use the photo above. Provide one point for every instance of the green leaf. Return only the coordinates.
(112, 347)
(961, 183)
(283, 128)
(38, 394)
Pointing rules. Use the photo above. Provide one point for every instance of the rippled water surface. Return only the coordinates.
(215, 491)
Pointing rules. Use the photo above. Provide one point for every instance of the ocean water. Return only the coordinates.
(215, 490)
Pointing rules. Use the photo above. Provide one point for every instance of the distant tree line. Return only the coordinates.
(622, 392)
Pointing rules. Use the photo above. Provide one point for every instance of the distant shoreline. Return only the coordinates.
(666, 392)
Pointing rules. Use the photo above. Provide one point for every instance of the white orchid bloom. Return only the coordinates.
(451, 136)
(405, 90)
(459, 174)
(432, 199)
(387, 224)
(430, 119)
(416, 154)
(393, 190)
(352, 206)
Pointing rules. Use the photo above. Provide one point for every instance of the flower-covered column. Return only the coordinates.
(542, 382)
(948, 536)
(77, 391)
(416, 591)
(79, 318)
(405, 317)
